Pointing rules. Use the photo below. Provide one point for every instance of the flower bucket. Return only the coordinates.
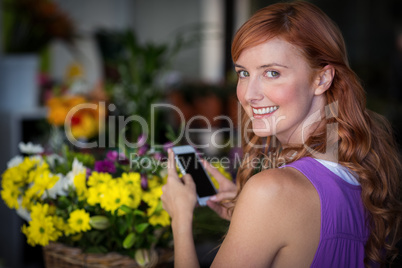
(57, 255)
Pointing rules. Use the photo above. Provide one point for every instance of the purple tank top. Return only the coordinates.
(343, 231)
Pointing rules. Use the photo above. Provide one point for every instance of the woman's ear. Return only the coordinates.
(324, 79)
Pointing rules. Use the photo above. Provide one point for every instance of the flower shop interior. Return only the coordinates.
(145, 73)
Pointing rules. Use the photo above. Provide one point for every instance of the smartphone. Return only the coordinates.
(189, 163)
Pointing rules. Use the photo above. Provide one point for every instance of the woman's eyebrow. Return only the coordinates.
(238, 66)
(271, 65)
(264, 66)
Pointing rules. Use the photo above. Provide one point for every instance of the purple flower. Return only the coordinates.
(143, 149)
(114, 156)
(88, 172)
(158, 156)
(142, 139)
(144, 181)
(105, 166)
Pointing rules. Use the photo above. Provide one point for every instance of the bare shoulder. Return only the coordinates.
(276, 219)
(284, 198)
(279, 183)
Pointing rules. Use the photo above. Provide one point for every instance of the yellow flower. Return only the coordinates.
(13, 176)
(84, 126)
(81, 186)
(39, 211)
(28, 198)
(99, 178)
(154, 181)
(95, 194)
(25, 231)
(10, 195)
(160, 218)
(40, 231)
(40, 168)
(44, 181)
(79, 221)
(116, 195)
(59, 223)
(74, 71)
(152, 197)
(132, 181)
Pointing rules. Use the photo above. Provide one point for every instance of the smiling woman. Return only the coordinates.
(334, 198)
(276, 90)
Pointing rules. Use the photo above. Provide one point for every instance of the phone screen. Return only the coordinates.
(193, 167)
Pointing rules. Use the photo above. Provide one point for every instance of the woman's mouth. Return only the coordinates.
(264, 110)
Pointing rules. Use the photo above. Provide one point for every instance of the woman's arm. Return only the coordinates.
(179, 199)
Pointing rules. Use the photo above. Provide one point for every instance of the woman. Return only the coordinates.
(333, 198)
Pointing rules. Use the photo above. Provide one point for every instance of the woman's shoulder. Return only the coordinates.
(276, 209)
(284, 182)
(277, 190)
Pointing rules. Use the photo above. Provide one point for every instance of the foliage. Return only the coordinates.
(99, 204)
(30, 25)
(134, 71)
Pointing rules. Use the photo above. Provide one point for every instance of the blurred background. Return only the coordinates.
(138, 52)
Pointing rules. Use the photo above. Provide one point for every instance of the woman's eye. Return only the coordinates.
(243, 74)
(272, 74)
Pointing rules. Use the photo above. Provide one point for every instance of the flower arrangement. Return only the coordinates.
(99, 205)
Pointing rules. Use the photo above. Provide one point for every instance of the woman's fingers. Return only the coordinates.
(223, 196)
(171, 168)
(213, 170)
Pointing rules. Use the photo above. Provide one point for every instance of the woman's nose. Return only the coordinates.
(253, 91)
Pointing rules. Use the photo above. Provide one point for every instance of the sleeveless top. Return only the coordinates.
(343, 232)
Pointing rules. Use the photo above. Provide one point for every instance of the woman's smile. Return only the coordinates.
(263, 111)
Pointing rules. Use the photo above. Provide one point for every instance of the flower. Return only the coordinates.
(29, 148)
(79, 221)
(105, 166)
(76, 113)
(102, 205)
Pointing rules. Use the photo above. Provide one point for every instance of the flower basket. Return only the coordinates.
(57, 255)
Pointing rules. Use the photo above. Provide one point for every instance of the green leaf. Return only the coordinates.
(99, 222)
(129, 241)
(138, 212)
(140, 228)
(126, 209)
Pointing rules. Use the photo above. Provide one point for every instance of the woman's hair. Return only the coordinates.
(364, 139)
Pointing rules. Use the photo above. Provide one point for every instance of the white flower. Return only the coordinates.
(23, 212)
(77, 168)
(62, 186)
(57, 189)
(15, 161)
(54, 159)
(30, 148)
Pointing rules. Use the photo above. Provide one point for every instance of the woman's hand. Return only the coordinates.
(227, 190)
(179, 196)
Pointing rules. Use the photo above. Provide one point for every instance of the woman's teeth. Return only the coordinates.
(266, 110)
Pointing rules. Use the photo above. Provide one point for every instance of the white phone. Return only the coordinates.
(189, 163)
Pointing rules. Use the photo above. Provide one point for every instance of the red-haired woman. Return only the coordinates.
(330, 197)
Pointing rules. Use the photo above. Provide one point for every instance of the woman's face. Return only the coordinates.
(277, 89)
